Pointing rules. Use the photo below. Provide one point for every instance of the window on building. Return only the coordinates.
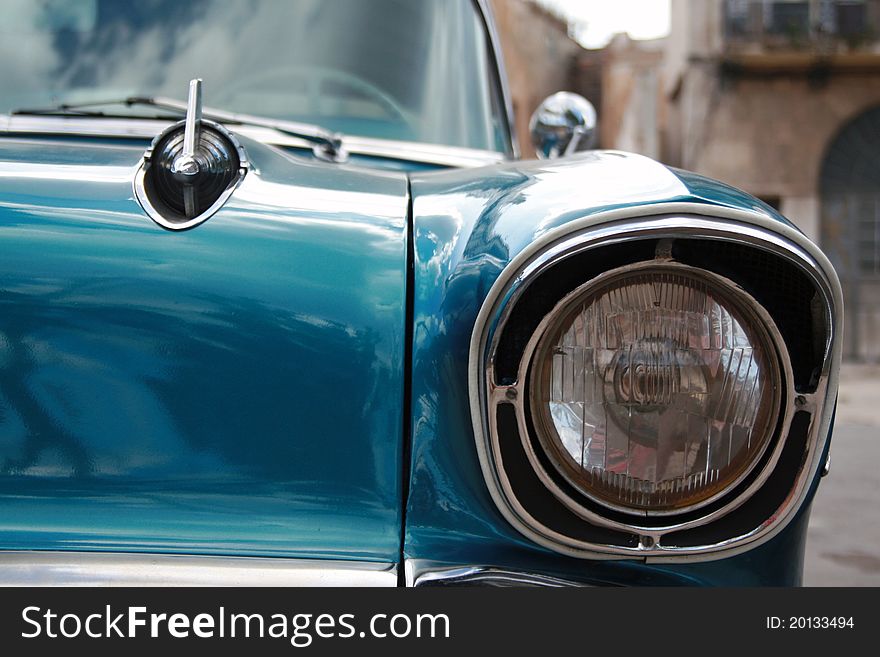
(851, 18)
(796, 18)
(736, 19)
(788, 17)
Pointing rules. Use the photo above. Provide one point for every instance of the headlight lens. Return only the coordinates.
(655, 390)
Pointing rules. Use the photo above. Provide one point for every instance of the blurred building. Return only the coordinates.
(782, 98)
(632, 107)
(778, 97)
(540, 58)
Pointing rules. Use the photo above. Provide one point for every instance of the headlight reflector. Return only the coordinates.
(655, 389)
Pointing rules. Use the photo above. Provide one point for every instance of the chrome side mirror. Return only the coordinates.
(563, 124)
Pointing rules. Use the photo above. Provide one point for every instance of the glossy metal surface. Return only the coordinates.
(762, 322)
(115, 569)
(185, 168)
(562, 125)
(818, 403)
(223, 157)
(408, 152)
(193, 125)
(235, 389)
(468, 230)
(468, 227)
(422, 573)
(651, 543)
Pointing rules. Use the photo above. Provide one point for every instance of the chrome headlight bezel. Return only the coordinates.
(699, 534)
(534, 420)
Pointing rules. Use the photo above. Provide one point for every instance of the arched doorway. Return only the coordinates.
(850, 189)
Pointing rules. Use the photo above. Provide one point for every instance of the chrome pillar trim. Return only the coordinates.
(426, 574)
(662, 221)
(485, 10)
(123, 569)
(437, 154)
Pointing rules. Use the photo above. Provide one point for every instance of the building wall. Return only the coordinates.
(632, 107)
(761, 112)
(539, 56)
(758, 111)
(769, 136)
(764, 127)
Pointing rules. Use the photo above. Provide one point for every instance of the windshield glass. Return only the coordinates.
(392, 69)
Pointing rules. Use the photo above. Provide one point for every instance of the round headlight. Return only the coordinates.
(655, 389)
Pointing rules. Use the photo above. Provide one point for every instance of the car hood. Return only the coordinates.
(239, 388)
(233, 389)
(469, 226)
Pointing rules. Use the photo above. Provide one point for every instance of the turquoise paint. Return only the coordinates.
(468, 225)
(238, 388)
(233, 389)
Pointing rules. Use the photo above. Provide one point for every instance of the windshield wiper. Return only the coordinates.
(80, 111)
(328, 145)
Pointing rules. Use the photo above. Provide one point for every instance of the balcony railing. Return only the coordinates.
(820, 25)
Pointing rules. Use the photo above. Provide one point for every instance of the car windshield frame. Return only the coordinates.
(501, 146)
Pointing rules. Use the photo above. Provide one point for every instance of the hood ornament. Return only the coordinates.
(190, 169)
(185, 167)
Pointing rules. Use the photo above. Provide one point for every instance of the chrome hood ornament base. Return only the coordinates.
(190, 169)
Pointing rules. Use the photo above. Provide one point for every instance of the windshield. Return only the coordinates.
(392, 69)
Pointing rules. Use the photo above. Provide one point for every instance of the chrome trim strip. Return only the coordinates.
(121, 569)
(664, 220)
(451, 156)
(420, 573)
(488, 17)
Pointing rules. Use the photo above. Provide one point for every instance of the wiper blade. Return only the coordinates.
(82, 109)
(85, 114)
(328, 145)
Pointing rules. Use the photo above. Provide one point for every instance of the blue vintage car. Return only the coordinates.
(280, 304)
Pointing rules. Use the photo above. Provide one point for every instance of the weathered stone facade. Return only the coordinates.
(632, 111)
(761, 94)
(539, 56)
(758, 94)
